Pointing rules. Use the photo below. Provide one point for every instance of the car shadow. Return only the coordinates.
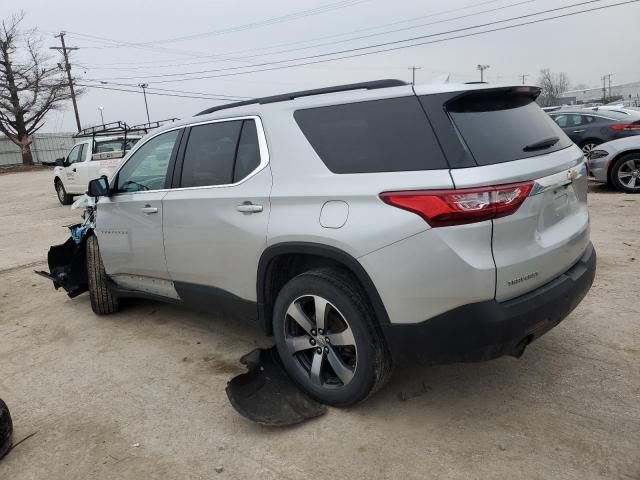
(498, 382)
(446, 388)
(603, 188)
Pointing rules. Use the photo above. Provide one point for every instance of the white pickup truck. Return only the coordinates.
(88, 159)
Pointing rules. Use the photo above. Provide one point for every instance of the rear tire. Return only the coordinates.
(103, 300)
(61, 193)
(354, 363)
(625, 173)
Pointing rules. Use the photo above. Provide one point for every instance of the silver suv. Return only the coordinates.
(362, 226)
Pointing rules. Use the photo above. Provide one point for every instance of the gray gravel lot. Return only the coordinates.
(141, 394)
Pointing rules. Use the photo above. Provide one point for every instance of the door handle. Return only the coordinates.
(578, 131)
(148, 210)
(248, 207)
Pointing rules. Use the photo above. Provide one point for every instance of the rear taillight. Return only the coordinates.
(442, 208)
(625, 127)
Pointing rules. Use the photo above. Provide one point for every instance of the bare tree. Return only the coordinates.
(553, 85)
(29, 86)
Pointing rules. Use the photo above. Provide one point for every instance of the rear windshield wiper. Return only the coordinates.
(542, 144)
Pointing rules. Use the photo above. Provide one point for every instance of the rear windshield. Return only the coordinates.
(114, 145)
(391, 135)
(501, 127)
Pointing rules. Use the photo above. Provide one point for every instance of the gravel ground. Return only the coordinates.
(141, 394)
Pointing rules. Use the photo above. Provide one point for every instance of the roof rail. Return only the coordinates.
(115, 128)
(103, 130)
(145, 127)
(307, 93)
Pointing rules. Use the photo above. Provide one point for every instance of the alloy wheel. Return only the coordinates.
(588, 148)
(629, 173)
(321, 341)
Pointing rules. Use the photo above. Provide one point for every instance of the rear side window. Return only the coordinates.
(210, 154)
(220, 153)
(503, 126)
(391, 135)
(248, 156)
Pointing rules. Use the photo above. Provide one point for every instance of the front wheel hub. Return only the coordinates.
(312, 320)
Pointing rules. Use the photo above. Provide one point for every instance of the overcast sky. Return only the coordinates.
(141, 39)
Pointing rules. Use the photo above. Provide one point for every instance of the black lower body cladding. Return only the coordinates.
(491, 329)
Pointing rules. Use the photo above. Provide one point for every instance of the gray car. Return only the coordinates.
(588, 128)
(362, 226)
(617, 163)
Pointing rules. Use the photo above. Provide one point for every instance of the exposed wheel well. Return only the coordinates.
(281, 264)
(615, 159)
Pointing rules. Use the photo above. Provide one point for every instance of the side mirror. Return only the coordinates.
(98, 187)
(60, 162)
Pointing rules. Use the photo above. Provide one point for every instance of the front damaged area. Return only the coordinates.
(68, 262)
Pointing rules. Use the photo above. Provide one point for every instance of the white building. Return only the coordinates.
(629, 93)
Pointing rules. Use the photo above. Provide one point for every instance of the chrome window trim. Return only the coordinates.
(262, 145)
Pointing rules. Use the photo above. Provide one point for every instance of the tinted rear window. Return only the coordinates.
(391, 135)
(497, 126)
(210, 154)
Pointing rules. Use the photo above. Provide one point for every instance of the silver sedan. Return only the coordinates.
(618, 164)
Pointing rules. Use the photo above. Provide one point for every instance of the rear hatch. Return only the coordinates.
(503, 137)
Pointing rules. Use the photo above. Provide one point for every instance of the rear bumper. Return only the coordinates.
(491, 329)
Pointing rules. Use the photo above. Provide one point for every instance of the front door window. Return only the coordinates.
(147, 168)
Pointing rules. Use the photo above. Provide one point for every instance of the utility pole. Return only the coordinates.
(413, 74)
(144, 86)
(101, 114)
(482, 68)
(64, 50)
(609, 77)
(604, 87)
(524, 77)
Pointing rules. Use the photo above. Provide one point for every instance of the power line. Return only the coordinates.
(472, 34)
(223, 58)
(100, 87)
(150, 45)
(261, 23)
(384, 44)
(387, 32)
(172, 90)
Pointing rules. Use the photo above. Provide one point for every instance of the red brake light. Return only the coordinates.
(625, 126)
(441, 208)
